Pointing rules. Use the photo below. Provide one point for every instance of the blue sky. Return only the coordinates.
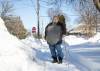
(25, 9)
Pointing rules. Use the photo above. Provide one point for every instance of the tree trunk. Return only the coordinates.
(97, 4)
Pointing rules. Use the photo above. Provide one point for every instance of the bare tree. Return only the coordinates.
(15, 26)
(97, 4)
(82, 2)
(13, 23)
(86, 10)
(6, 8)
(88, 15)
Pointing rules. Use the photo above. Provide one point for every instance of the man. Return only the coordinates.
(53, 34)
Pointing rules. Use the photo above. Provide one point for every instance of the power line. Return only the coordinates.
(38, 18)
(44, 6)
(44, 1)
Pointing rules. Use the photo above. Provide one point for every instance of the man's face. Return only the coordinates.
(56, 19)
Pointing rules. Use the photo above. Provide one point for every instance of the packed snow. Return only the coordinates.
(32, 54)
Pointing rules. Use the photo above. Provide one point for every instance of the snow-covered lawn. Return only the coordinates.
(31, 54)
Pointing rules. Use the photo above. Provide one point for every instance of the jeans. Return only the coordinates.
(56, 50)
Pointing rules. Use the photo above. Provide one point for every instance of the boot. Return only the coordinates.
(54, 60)
(59, 60)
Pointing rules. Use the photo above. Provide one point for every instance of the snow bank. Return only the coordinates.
(35, 43)
(32, 42)
(73, 40)
(12, 53)
(2, 26)
(95, 38)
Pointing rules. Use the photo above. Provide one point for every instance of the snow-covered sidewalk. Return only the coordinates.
(79, 57)
(43, 56)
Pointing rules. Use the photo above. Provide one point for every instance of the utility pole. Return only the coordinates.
(96, 21)
(38, 18)
(42, 28)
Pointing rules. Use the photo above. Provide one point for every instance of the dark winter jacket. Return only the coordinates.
(53, 33)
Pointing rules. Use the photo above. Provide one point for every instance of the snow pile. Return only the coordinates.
(12, 53)
(2, 26)
(73, 40)
(32, 42)
(95, 38)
